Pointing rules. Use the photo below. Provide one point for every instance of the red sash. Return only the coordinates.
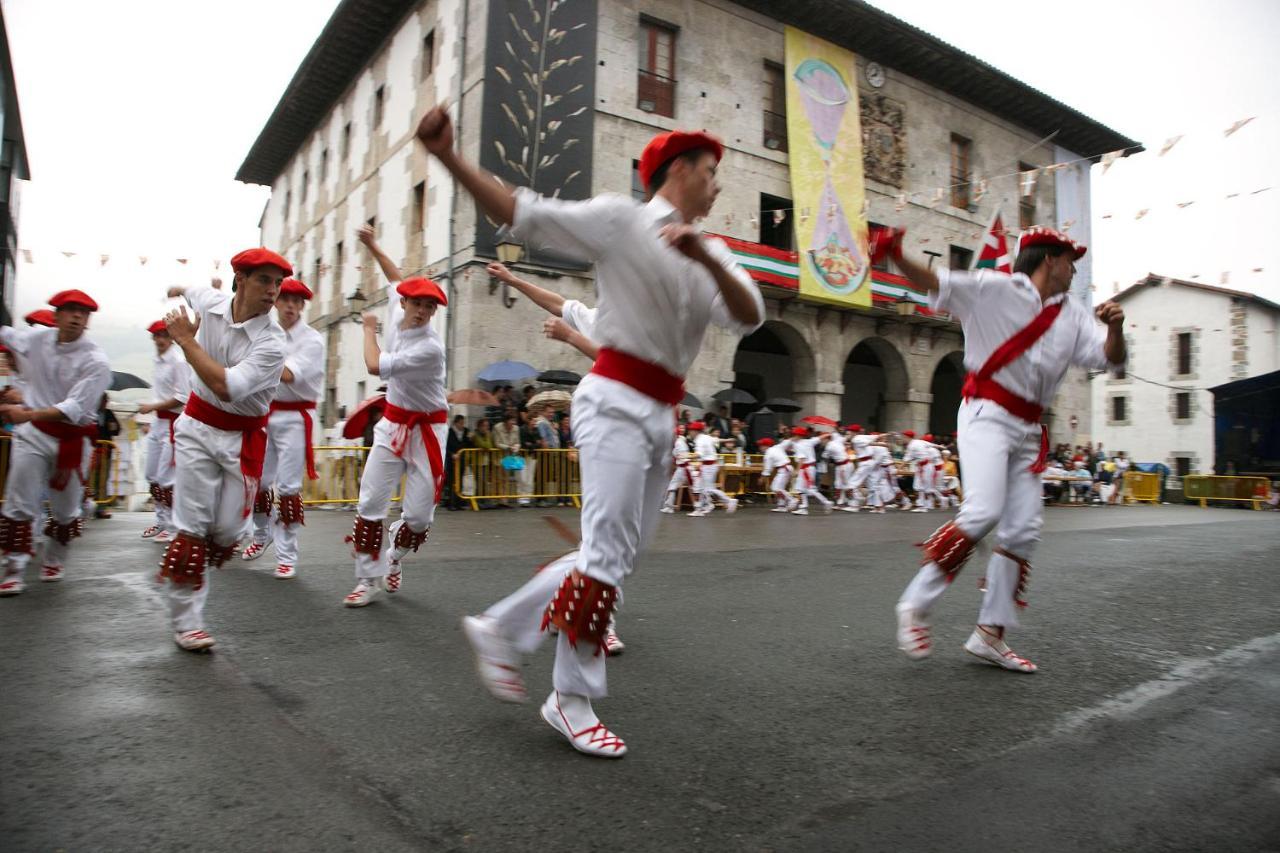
(70, 449)
(253, 441)
(648, 378)
(409, 420)
(170, 415)
(304, 406)
(981, 386)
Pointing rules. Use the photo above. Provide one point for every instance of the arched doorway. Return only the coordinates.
(948, 377)
(874, 379)
(770, 362)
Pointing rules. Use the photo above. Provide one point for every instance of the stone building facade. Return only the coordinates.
(1184, 338)
(339, 152)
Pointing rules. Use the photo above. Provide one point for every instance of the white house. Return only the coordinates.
(1184, 338)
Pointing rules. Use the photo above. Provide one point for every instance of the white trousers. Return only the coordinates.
(210, 499)
(706, 486)
(382, 472)
(1000, 493)
(678, 479)
(807, 486)
(843, 479)
(33, 458)
(284, 467)
(781, 479)
(624, 450)
(160, 468)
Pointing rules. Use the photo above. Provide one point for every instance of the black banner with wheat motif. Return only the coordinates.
(538, 113)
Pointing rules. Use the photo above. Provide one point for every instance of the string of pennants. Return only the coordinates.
(1027, 181)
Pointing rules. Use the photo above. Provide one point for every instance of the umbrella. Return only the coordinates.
(556, 400)
(691, 401)
(471, 397)
(507, 371)
(819, 422)
(733, 395)
(125, 381)
(559, 377)
(783, 404)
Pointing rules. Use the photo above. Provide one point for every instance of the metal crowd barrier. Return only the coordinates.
(339, 468)
(1140, 487)
(98, 480)
(530, 475)
(1206, 487)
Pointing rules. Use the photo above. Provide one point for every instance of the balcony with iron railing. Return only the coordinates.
(775, 131)
(656, 94)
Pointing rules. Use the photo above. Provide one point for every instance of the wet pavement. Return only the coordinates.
(761, 696)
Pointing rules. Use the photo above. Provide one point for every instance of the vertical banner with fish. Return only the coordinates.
(825, 140)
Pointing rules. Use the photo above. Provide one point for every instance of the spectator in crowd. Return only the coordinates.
(506, 438)
(1081, 481)
(457, 440)
(487, 462)
(1052, 478)
(566, 431)
(527, 395)
(100, 473)
(738, 432)
(550, 483)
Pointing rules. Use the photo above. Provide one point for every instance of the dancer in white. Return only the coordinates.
(1021, 333)
(836, 452)
(171, 383)
(660, 284)
(681, 455)
(409, 441)
(706, 483)
(805, 448)
(777, 473)
(65, 376)
(290, 434)
(917, 455)
(236, 352)
(864, 462)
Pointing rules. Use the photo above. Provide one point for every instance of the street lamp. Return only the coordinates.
(355, 306)
(509, 254)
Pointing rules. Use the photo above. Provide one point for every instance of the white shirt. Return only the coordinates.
(860, 445)
(304, 356)
(252, 352)
(933, 453)
(171, 379)
(806, 450)
(881, 456)
(774, 458)
(69, 377)
(413, 365)
(680, 452)
(835, 449)
(707, 448)
(993, 307)
(579, 317)
(917, 451)
(654, 302)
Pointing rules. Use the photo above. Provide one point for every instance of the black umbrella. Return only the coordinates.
(559, 377)
(691, 401)
(125, 381)
(734, 396)
(783, 404)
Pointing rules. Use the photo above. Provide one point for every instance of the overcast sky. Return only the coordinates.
(139, 112)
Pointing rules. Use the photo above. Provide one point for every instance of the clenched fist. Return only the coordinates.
(1110, 313)
(435, 131)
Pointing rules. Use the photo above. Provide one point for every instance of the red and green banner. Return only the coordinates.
(994, 253)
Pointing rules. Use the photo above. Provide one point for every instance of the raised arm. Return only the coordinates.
(389, 269)
(372, 352)
(558, 330)
(183, 331)
(547, 300)
(435, 132)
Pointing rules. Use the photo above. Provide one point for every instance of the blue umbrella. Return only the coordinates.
(507, 371)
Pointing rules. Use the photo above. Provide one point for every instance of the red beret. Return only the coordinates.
(854, 427)
(665, 146)
(157, 327)
(40, 317)
(765, 442)
(699, 425)
(422, 288)
(909, 433)
(800, 432)
(928, 436)
(253, 258)
(295, 287)
(73, 297)
(1040, 236)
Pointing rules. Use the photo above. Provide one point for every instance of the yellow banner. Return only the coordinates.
(824, 137)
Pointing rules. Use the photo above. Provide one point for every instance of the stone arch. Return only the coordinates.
(773, 361)
(876, 385)
(948, 377)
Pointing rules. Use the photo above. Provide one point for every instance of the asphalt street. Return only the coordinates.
(764, 703)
